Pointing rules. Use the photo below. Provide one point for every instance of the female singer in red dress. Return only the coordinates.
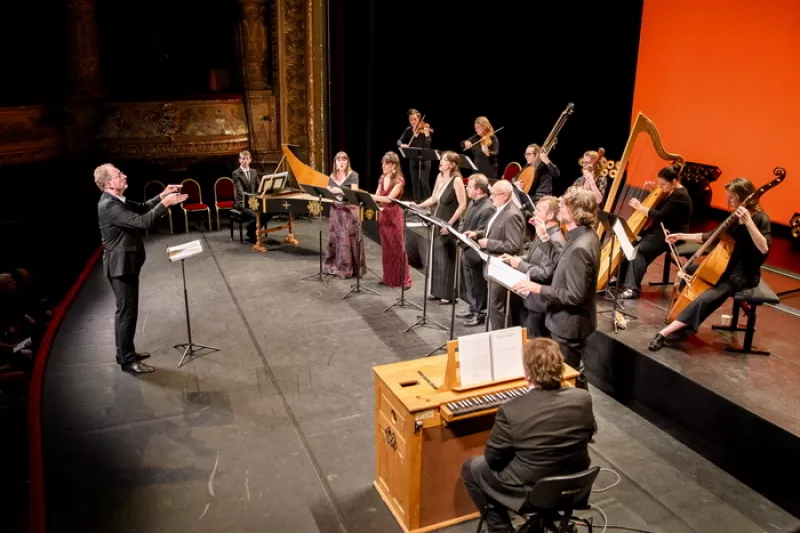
(390, 222)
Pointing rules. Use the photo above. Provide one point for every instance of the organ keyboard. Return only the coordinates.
(424, 430)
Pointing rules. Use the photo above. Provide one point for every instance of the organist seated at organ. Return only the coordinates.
(543, 433)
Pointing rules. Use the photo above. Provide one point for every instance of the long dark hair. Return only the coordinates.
(742, 188)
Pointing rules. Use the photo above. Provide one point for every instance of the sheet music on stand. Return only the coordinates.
(469, 242)
(273, 182)
(466, 162)
(490, 356)
(625, 240)
(504, 274)
(184, 251)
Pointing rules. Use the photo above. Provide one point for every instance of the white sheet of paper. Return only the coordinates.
(472, 244)
(504, 274)
(624, 243)
(506, 353)
(185, 250)
(474, 357)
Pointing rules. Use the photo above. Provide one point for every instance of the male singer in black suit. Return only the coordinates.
(544, 433)
(538, 264)
(121, 224)
(479, 211)
(503, 235)
(245, 179)
(571, 296)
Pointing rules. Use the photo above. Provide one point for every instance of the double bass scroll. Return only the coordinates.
(528, 175)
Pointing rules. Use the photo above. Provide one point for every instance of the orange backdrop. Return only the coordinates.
(721, 81)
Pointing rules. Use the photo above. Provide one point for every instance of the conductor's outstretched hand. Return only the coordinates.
(173, 199)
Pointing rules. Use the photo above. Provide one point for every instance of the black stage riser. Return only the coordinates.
(749, 447)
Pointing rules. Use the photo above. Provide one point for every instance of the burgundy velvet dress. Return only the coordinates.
(393, 242)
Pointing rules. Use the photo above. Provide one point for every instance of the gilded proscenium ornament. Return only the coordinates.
(23, 138)
(180, 129)
(254, 39)
(84, 52)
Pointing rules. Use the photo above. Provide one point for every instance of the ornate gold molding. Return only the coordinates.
(23, 138)
(254, 44)
(186, 129)
(84, 54)
(316, 81)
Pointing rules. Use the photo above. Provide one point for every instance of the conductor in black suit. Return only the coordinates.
(544, 433)
(245, 180)
(570, 297)
(121, 224)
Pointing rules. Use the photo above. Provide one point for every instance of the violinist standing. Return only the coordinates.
(417, 135)
(484, 147)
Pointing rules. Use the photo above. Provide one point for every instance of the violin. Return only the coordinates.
(485, 139)
(421, 128)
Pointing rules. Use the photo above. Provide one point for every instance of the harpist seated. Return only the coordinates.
(544, 433)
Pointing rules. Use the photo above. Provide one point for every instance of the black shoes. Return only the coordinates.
(138, 356)
(657, 343)
(466, 314)
(138, 368)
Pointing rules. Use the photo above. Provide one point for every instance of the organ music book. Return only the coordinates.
(490, 357)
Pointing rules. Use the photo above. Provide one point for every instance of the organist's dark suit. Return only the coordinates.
(121, 225)
(544, 433)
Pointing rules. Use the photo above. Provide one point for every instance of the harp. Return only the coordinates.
(640, 162)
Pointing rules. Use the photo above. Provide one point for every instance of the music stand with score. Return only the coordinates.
(319, 192)
(180, 253)
(423, 319)
(363, 200)
(619, 231)
(271, 183)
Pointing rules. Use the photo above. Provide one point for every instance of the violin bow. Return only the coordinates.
(480, 138)
(421, 120)
(675, 257)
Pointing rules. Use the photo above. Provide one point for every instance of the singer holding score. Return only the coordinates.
(121, 224)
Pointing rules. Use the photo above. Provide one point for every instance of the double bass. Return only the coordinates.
(528, 175)
(710, 271)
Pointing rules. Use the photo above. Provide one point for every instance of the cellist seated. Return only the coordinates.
(752, 241)
(673, 211)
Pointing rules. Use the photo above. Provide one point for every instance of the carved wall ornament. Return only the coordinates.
(23, 137)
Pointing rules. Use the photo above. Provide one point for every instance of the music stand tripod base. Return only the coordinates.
(190, 349)
(401, 301)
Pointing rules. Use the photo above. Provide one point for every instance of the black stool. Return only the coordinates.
(686, 250)
(754, 298)
(234, 215)
(552, 499)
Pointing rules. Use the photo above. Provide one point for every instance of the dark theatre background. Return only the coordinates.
(455, 62)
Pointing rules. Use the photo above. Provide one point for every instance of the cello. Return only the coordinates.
(528, 175)
(710, 271)
(610, 259)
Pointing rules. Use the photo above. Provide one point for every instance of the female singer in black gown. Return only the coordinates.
(450, 198)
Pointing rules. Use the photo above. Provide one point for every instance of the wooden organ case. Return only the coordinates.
(426, 426)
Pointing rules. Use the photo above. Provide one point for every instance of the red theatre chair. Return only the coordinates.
(512, 171)
(194, 202)
(223, 196)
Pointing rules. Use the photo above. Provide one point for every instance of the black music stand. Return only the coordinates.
(456, 291)
(423, 320)
(401, 301)
(364, 201)
(414, 153)
(618, 229)
(320, 192)
(181, 253)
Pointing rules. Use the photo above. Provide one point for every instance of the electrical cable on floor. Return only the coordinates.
(619, 478)
(605, 517)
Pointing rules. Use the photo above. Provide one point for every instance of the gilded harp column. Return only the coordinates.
(302, 54)
(259, 96)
